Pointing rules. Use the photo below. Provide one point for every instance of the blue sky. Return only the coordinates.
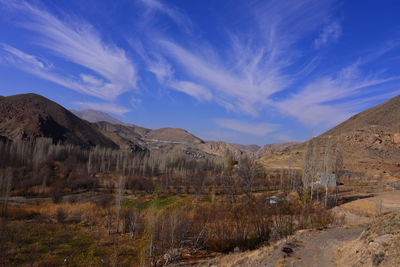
(239, 71)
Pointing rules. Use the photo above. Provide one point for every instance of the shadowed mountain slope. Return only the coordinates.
(28, 116)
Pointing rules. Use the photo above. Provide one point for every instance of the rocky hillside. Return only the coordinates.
(279, 147)
(126, 136)
(250, 148)
(369, 141)
(173, 135)
(136, 138)
(377, 246)
(28, 116)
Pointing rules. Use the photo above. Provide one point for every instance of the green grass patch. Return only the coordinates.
(165, 202)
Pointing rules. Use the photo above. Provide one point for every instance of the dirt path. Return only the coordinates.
(317, 248)
(304, 249)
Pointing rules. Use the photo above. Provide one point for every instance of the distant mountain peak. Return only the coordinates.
(173, 135)
(92, 115)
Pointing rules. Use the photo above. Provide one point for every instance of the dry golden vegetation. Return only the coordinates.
(100, 206)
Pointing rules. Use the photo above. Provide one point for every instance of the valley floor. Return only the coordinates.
(326, 247)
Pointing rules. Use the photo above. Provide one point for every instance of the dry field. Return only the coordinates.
(374, 206)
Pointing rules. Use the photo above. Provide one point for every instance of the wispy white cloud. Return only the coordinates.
(85, 83)
(249, 69)
(106, 107)
(173, 13)
(78, 42)
(331, 99)
(255, 66)
(259, 129)
(237, 91)
(283, 137)
(192, 89)
(154, 63)
(135, 102)
(161, 69)
(330, 33)
(15, 55)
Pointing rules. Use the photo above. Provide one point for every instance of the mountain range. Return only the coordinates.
(370, 140)
(29, 116)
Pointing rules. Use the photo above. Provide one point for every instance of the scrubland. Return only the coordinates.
(64, 205)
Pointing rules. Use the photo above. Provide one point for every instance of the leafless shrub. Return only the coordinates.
(61, 216)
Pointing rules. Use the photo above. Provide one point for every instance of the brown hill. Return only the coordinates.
(385, 116)
(279, 147)
(247, 148)
(369, 141)
(130, 136)
(126, 136)
(220, 148)
(173, 135)
(28, 116)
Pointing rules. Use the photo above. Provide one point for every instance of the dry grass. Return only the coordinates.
(281, 160)
(22, 211)
(374, 206)
(30, 243)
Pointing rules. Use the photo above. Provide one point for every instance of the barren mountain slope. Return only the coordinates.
(249, 148)
(220, 148)
(173, 135)
(126, 136)
(385, 116)
(279, 147)
(370, 142)
(130, 136)
(28, 116)
(95, 116)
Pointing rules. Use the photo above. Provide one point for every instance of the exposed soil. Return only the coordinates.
(305, 248)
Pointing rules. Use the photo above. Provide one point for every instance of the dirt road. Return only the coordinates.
(305, 248)
(317, 248)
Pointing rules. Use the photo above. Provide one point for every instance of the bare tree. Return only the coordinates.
(5, 187)
(118, 197)
(131, 221)
(310, 165)
(247, 172)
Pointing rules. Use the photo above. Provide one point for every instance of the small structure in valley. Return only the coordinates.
(326, 179)
(273, 200)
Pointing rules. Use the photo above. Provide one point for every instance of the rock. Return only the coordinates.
(384, 239)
